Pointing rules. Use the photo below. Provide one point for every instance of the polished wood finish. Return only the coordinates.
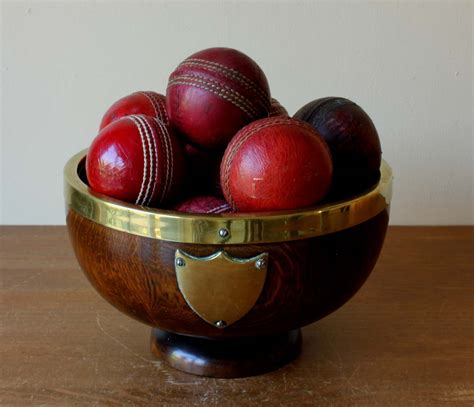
(239, 357)
(306, 279)
(405, 340)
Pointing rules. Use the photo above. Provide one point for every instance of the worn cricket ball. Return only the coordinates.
(203, 171)
(276, 109)
(144, 102)
(203, 204)
(214, 93)
(352, 139)
(136, 159)
(274, 164)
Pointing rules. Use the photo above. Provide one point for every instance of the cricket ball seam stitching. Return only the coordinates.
(169, 157)
(276, 109)
(231, 74)
(150, 100)
(165, 166)
(220, 86)
(153, 180)
(219, 209)
(243, 138)
(152, 164)
(156, 163)
(219, 92)
(145, 162)
(162, 113)
(223, 96)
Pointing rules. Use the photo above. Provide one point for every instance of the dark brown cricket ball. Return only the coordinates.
(352, 139)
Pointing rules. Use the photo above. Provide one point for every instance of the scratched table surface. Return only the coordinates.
(406, 339)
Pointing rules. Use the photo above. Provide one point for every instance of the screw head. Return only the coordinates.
(260, 263)
(224, 233)
(220, 324)
(180, 262)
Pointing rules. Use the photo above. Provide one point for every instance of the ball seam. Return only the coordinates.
(152, 163)
(220, 86)
(169, 157)
(219, 209)
(150, 100)
(160, 106)
(231, 74)
(154, 179)
(244, 136)
(218, 91)
(145, 162)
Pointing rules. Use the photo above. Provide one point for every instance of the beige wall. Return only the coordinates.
(409, 64)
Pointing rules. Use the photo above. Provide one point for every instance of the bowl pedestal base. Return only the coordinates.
(234, 357)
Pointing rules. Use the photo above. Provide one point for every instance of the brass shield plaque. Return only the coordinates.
(219, 288)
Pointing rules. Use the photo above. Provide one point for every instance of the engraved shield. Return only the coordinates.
(220, 288)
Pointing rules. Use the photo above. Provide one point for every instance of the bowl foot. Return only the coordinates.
(234, 357)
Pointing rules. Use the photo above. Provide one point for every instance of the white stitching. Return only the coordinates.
(165, 166)
(217, 67)
(164, 144)
(158, 105)
(148, 137)
(145, 163)
(162, 108)
(229, 72)
(221, 88)
(169, 157)
(219, 92)
(219, 209)
(154, 166)
(148, 96)
(232, 74)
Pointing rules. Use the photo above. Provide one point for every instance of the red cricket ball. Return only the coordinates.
(203, 204)
(214, 93)
(136, 159)
(352, 139)
(203, 171)
(276, 109)
(146, 103)
(274, 164)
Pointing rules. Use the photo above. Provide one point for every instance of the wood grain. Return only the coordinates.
(228, 357)
(306, 279)
(406, 338)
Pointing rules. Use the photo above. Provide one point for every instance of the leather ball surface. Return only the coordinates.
(214, 93)
(203, 204)
(352, 139)
(276, 109)
(275, 163)
(144, 102)
(136, 159)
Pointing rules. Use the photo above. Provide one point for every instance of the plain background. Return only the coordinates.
(408, 64)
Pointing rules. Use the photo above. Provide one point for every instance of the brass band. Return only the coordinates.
(239, 228)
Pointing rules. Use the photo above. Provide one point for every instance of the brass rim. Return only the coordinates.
(244, 228)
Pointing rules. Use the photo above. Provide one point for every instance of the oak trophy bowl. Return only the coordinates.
(226, 294)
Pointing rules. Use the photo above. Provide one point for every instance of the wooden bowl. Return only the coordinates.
(226, 294)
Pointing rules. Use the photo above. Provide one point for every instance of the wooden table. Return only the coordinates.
(406, 339)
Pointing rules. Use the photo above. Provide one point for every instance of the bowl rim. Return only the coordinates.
(223, 229)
